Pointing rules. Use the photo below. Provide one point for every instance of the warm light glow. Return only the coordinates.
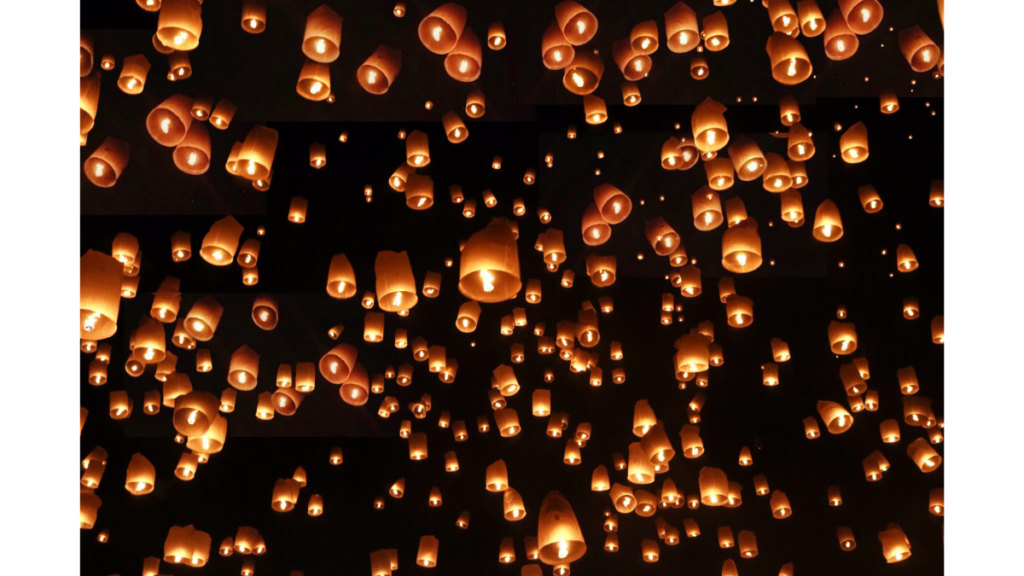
(165, 125)
(315, 88)
(488, 280)
(792, 67)
(827, 231)
(131, 84)
(192, 159)
(715, 41)
(463, 65)
(577, 79)
(252, 168)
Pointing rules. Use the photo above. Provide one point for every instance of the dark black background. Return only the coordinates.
(795, 299)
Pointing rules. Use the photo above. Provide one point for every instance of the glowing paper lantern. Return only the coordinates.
(465, 61)
(378, 72)
(895, 544)
(180, 24)
(134, 70)
(840, 40)
(256, 156)
(104, 166)
(321, 40)
(583, 74)
(576, 23)
(633, 64)
(710, 131)
(489, 264)
(853, 144)
(441, 29)
(828, 226)
(192, 154)
(790, 63)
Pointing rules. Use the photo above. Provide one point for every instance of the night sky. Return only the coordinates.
(528, 112)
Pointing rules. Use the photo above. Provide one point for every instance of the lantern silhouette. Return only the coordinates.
(378, 72)
(583, 75)
(104, 166)
(227, 400)
(782, 16)
(840, 40)
(828, 226)
(426, 556)
(321, 40)
(489, 265)
(396, 286)
(780, 505)
(134, 70)
(475, 103)
(790, 63)
(895, 544)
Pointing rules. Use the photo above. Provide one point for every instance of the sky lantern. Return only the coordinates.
(489, 264)
(828, 226)
(221, 242)
(681, 31)
(741, 247)
(576, 23)
(783, 18)
(842, 337)
(812, 22)
(633, 64)
(465, 61)
(256, 157)
(440, 30)
(496, 39)
(714, 486)
(780, 505)
(711, 133)
(379, 71)
(926, 458)
(559, 537)
(192, 154)
(799, 146)
(594, 109)
(840, 40)
(556, 51)
(699, 69)
(835, 417)
(100, 295)
(716, 32)
(134, 70)
(396, 286)
(747, 158)
(895, 544)
(938, 330)
(853, 144)
(584, 73)
(739, 310)
(905, 259)
(321, 40)
(180, 24)
(623, 498)
(104, 166)
(862, 16)
(254, 16)
(707, 208)
(790, 63)
(869, 199)
(314, 81)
